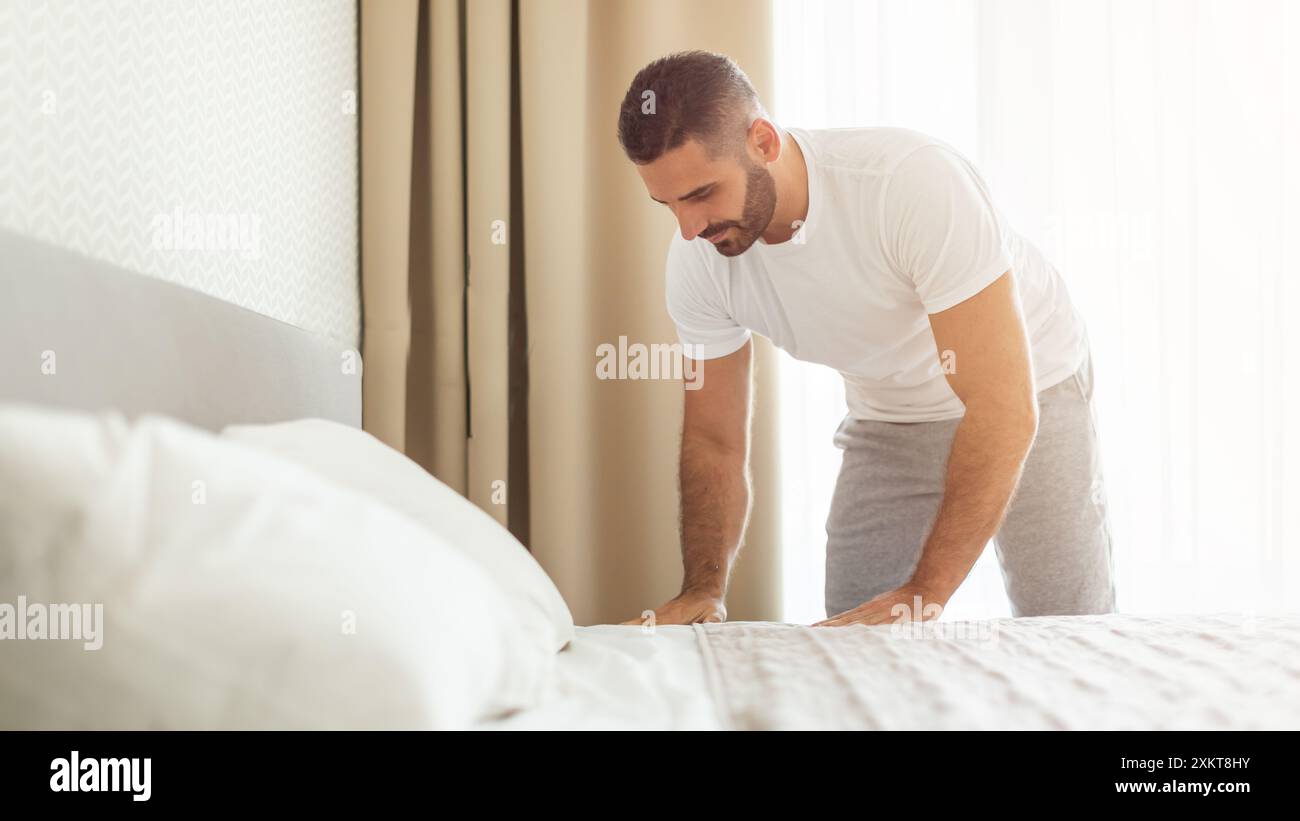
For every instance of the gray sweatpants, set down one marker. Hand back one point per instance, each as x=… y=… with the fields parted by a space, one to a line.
x=1054 y=545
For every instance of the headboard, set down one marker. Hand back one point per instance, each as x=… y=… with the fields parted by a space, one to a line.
x=80 y=333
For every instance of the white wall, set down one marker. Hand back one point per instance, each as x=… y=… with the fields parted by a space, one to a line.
x=115 y=113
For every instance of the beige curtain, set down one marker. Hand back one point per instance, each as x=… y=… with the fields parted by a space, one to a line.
x=504 y=238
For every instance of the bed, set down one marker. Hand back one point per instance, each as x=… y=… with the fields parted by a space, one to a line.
x=1109 y=672
x=263 y=563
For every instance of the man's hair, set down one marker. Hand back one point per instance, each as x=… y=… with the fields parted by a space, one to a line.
x=691 y=95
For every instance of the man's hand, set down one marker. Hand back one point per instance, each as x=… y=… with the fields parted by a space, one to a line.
x=910 y=602
x=690 y=607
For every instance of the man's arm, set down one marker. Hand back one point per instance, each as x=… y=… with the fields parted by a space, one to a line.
x=714 y=473
x=993 y=376
x=715 y=488
x=985 y=339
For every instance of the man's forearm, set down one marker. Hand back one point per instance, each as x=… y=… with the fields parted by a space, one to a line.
x=715 y=495
x=984 y=465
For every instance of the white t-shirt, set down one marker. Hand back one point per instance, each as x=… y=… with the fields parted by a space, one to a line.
x=899 y=226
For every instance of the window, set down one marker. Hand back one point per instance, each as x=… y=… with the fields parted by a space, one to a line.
x=1151 y=151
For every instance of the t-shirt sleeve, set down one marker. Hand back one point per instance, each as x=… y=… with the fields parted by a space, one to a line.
x=941 y=228
x=696 y=306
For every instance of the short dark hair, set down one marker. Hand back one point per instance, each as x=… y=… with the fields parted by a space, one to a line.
x=692 y=94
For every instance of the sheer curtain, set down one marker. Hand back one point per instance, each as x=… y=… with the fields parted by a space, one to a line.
x=1152 y=150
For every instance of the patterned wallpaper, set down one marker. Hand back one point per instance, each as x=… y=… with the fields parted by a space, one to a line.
x=212 y=143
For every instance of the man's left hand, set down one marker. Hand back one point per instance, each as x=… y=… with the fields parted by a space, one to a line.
x=907 y=603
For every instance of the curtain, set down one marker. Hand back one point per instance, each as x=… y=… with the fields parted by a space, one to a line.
x=1151 y=148
x=505 y=238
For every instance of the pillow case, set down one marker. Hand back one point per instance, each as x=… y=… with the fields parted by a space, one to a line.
x=357 y=460
x=236 y=590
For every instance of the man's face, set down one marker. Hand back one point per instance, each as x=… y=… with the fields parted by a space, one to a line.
x=728 y=200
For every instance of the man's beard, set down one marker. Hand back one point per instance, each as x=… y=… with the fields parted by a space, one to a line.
x=760 y=204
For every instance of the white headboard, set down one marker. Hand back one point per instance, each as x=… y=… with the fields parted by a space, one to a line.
x=80 y=333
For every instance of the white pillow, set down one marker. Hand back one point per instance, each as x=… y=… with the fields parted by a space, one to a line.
x=357 y=460
x=239 y=590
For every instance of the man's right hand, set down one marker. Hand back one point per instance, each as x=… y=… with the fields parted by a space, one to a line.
x=691 y=607
x=714 y=486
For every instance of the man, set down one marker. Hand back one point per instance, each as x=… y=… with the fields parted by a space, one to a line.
x=878 y=252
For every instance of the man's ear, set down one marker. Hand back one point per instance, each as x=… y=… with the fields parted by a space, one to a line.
x=764 y=140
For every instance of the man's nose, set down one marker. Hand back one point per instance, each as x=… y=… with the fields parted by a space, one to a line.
x=692 y=225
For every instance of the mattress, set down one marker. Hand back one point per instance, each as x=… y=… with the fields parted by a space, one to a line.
x=1114 y=671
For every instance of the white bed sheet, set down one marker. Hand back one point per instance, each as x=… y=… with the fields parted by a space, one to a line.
x=621 y=677
x=1116 y=671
